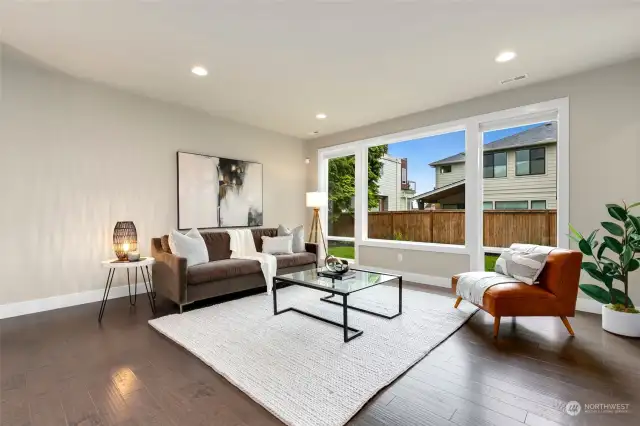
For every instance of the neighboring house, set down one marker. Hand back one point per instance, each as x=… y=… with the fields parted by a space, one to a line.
x=519 y=173
x=395 y=190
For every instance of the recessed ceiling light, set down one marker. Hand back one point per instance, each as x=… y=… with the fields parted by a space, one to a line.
x=199 y=71
x=321 y=116
x=505 y=56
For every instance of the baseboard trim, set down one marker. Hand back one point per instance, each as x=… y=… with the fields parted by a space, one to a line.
x=409 y=276
x=56 y=302
x=588 y=305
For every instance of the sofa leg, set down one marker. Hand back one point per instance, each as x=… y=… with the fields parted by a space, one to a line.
x=458 y=300
x=565 y=321
x=181 y=308
x=496 y=327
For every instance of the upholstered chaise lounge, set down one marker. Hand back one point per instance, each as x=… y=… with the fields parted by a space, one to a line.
x=555 y=295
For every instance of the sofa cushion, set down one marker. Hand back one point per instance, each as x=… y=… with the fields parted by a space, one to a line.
x=217 y=244
x=221 y=269
x=295 y=259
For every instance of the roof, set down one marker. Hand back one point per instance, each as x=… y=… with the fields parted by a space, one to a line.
x=539 y=135
x=443 y=191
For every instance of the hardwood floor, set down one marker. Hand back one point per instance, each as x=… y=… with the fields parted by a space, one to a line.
x=62 y=368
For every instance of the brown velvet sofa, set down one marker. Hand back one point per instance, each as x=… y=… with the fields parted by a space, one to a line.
x=554 y=296
x=221 y=275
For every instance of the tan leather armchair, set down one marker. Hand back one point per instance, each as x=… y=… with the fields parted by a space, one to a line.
x=555 y=295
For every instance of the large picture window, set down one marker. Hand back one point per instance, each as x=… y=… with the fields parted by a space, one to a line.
x=454 y=187
x=530 y=162
x=495 y=164
x=422 y=207
x=341 y=194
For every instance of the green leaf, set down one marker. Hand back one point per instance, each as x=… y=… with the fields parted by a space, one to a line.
x=633 y=205
x=574 y=238
x=635 y=221
x=617 y=212
x=589 y=265
x=633 y=265
x=596 y=292
x=596 y=275
x=627 y=255
x=619 y=297
x=606 y=259
x=592 y=236
x=601 y=251
x=614 y=245
x=575 y=232
x=585 y=247
x=613 y=228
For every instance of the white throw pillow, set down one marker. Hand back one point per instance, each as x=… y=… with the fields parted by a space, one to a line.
x=277 y=245
x=298 y=245
x=190 y=245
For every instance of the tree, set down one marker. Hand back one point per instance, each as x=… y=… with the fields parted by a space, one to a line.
x=342 y=181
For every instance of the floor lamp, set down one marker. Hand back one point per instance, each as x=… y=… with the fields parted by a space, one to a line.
x=316 y=200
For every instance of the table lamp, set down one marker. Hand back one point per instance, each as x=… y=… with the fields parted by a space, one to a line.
x=125 y=239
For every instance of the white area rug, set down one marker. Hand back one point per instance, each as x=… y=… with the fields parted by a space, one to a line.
x=299 y=368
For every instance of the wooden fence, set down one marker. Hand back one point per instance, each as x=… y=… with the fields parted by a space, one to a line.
x=501 y=227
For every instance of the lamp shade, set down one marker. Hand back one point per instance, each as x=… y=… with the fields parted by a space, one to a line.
x=316 y=199
x=125 y=239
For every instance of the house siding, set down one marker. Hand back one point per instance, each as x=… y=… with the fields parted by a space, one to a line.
x=512 y=187
x=456 y=175
x=525 y=188
x=389 y=183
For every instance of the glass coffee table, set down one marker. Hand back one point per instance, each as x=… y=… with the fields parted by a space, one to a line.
x=361 y=281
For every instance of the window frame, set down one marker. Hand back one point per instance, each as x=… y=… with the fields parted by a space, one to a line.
x=448 y=167
x=537 y=201
x=529 y=150
x=512 y=201
x=474 y=126
x=493 y=166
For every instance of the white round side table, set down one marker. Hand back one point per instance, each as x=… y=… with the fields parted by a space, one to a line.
x=115 y=264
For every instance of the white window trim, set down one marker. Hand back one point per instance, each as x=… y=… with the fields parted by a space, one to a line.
x=557 y=109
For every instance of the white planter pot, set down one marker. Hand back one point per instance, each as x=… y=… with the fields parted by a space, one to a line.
x=620 y=323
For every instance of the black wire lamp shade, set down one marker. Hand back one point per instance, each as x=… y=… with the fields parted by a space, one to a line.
x=125 y=239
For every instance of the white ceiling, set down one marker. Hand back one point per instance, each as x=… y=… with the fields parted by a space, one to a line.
x=275 y=64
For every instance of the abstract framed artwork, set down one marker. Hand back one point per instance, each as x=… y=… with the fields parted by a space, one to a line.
x=215 y=192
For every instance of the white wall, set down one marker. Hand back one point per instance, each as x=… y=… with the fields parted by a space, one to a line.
x=604 y=148
x=78 y=156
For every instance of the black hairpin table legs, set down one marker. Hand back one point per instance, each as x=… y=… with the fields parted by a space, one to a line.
x=146 y=278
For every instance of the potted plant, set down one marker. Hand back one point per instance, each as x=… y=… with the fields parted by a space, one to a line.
x=613 y=259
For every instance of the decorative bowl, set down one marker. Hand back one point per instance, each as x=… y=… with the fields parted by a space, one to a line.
x=336 y=265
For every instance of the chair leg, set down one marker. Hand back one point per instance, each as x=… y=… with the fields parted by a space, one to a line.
x=458 y=300
x=496 y=327
x=565 y=321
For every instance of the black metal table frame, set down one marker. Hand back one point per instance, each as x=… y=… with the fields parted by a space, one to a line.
x=151 y=294
x=345 y=306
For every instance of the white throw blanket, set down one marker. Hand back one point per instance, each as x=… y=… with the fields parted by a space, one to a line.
x=472 y=285
x=243 y=247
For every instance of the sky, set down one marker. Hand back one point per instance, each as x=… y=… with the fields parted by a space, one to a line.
x=420 y=152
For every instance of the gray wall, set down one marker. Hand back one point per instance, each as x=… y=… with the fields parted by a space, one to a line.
x=78 y=156
x=605 y=149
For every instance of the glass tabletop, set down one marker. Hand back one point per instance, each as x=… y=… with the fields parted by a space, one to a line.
x=361 y=280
